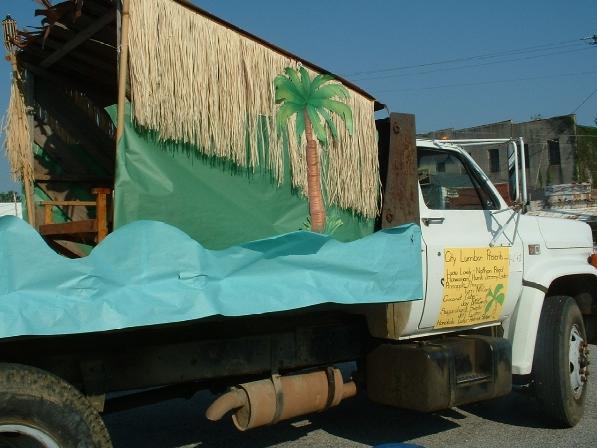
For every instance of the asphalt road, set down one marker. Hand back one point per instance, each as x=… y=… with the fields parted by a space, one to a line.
x=513 y=421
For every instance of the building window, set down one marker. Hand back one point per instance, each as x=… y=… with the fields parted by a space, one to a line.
x=494 y=160
x=553 y=147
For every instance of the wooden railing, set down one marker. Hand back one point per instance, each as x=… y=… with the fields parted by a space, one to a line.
x=78 y=230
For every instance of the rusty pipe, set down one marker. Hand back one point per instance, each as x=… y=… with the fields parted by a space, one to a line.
x=349 y=390
x=269 y=401
x=236 y=398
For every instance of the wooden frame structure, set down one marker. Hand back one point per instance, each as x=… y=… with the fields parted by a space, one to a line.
x=69 y=77
x=73 y=69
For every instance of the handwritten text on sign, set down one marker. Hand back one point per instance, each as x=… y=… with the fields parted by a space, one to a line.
x=475 y=285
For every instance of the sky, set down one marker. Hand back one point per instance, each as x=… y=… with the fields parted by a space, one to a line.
x=453 y=63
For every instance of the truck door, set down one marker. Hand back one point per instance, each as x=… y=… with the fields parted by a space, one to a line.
x=469 y=282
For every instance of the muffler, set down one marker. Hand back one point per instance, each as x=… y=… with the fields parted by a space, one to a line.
x=269 y=401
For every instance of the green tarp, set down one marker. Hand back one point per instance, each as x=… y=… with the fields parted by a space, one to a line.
x=217 y=204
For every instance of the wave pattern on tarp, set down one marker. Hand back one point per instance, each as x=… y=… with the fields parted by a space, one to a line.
x=150 y=273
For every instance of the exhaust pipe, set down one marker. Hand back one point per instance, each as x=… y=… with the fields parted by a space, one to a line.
x=267 y=402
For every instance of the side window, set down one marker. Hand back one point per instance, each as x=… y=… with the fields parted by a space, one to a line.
x=448 y=184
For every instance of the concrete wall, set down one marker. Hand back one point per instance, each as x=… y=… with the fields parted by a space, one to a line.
x=536 y=134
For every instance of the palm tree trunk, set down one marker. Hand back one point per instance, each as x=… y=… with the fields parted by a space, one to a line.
x=316 y=205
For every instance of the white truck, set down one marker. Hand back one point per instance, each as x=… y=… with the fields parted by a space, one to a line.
x=547 y=304
x=506 y=301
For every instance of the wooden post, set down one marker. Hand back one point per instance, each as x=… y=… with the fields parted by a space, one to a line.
x=101 y=211
x=122 y=68
x=400 y=179
x=401 y=193
x=27 y=183
x=48 y=217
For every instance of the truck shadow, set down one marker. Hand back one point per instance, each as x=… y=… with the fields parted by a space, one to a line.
x=180 y=423
x=517 y=409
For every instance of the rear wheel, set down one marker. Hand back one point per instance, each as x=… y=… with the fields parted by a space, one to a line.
x=560 y=362
x=591 y=328
x=40 y=410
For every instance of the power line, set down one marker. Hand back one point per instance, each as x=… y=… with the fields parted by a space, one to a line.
x=497 y=134
x=499 y=81
x=584 y=101
x=472 y=65
x=469 y=58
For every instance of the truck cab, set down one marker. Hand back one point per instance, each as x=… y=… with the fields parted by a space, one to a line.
x=461 y=208
x=489 y=269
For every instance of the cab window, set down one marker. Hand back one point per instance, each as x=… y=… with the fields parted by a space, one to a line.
x=448 y=183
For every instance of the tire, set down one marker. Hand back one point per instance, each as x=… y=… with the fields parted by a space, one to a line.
x=38 y=409
x=559 y=379
x=591 y=328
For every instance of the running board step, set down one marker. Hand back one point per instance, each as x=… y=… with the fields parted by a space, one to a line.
x=439 y=374
x=472 y=378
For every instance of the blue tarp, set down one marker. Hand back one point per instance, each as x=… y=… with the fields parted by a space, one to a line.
x=150 y=273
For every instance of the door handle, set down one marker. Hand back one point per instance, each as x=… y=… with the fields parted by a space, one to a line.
x=428 y=221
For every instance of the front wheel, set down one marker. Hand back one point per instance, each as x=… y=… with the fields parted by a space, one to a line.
x=40 y=410
x=560 y=362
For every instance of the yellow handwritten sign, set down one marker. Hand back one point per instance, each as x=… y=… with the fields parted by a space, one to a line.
x=475 y=285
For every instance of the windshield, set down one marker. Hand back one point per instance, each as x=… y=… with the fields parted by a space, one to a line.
x=448 y=182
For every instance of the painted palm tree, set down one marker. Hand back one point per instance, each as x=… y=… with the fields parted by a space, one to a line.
x=495 y=297
x=313 y=101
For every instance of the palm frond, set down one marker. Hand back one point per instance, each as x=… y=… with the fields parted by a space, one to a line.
x=332 y=224
x=343 y=110
x=330 y=122
x=318 y=128
x=286 y=111
x=294 y=78
x=305 y=80
x=488 y=305
x=300 y=127
x=330 y=91
x=286 y=91
x=319 y=80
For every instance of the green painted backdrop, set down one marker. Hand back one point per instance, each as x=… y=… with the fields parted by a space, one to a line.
x=217 y=204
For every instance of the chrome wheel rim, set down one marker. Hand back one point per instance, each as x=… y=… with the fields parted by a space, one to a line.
x=576 y=355
x=24 y=436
